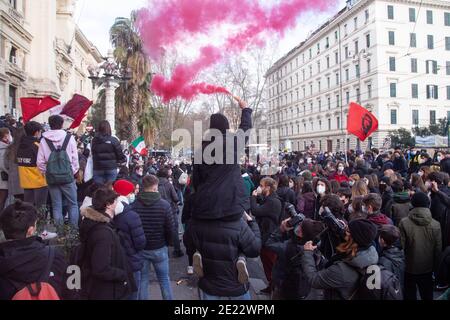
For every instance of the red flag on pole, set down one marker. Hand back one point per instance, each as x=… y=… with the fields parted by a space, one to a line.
x=76 y=109
x=32 y=107
x=360 y=122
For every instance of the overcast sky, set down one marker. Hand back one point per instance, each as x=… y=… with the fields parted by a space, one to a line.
x=95 y=17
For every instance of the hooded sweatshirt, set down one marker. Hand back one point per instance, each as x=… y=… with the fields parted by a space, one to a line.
x=29 y=175
x=57 y=137
x=421 y=241
x=400 y=207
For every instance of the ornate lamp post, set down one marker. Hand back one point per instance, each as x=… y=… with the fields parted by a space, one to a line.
x=109 y=74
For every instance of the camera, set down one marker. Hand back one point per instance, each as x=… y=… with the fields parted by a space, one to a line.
x=333 y=224
x=296 y=218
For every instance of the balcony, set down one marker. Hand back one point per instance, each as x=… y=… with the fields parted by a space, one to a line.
x=14 y=70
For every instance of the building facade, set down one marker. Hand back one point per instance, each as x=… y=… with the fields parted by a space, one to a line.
x=42 y=52
x=391 y=56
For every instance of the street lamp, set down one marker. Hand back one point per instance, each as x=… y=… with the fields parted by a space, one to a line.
x=110 y=75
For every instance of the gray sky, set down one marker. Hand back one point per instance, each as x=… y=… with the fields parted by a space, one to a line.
x=95 y=17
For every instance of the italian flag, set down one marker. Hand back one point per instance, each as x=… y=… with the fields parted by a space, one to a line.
x=139 y=146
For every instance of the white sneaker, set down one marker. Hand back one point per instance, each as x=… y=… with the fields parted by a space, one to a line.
x=190 y=270
x=198 y=264
x=46 y=235
x=243 y=275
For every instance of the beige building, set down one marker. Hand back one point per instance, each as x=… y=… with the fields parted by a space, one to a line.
x=42 y=52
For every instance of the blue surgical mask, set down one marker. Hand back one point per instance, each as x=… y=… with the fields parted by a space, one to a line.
x=131 y=198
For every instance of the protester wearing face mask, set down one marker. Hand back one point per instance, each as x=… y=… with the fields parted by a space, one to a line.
x=138 y=175
x=285 y=193
x=440 y=202
x=371 y=207
x=339 y=175
x=322 y=187
x=129 y=223
x=5 y=137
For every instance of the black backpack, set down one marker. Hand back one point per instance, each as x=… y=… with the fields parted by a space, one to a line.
x=388 y=288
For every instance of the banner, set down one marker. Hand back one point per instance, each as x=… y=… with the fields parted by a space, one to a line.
x=360 y=122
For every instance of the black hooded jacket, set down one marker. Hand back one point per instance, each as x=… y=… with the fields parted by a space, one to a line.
x=22 y=262
x=220 y=188
x=106 y=152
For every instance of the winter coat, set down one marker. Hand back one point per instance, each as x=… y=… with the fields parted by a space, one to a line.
x=14 y=188
x=168 y=193
x=267 y=213
x=341 y=280
x=387 y=200
x=57 y=137
x=29 y=175
x=445 y=165
x=421 y=241
x=400 y=166
x=393 y=259
x=220 y=189
x=338 y=177
x=400 y=207
x=286 y=194
x=157 y=219
x=137 y=179
x=249 y=185
x=306 y=204
x=362 y=171
x=23 y=262
x=440 y=211
x=107 y=152
x=3 y=164
x=107 y=274
x=221 y=243
x=132 y=235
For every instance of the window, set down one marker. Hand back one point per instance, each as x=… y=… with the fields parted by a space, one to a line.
x=432 y=117
x=303 y=74
x=328 y=82
x=338 y=122
x=311 y=106
x=310 y=53
x=447 y=19
x=329 y=124
x=358 y=95
x=393 y=89
x=413 y=65
x=412 y=15
x=447 y=43
x=432 y=92
x=347 y=76
x=368 y=40
x=310 y=71
x=337 y=79
x=447 y=68
x=415 y=91
x=337 y=101
x=412 y=40
x=318 y=48
x=390 y=12
x=320 y=124
x=12 y=99
x=448 y=92
x=320 y=105
x=369 y=91
x=327 y=42
x=393 y=116
x=345 y=30
x=318 y=66
x=368 y=66
x=329 y=103
x=336 y=35
x=13 y=55
x=430 y=41
x=431 y=66
x=346 y=52
x=319 y=85
x=336 y=57
x=391 y=63
x=356 y=47
x=13 y=3
x=311 y=89
x=338 y=144
x=355 y=22
x=415 y=117
x=391 y=38
x=347 y=97
x=328 y=62
x=429 y=17
x=357 y=71
x=366 y=13
x=296 y=77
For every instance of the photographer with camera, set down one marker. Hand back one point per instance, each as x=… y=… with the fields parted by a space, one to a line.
x=287 y=242
x=266 y=207
x=341 y=279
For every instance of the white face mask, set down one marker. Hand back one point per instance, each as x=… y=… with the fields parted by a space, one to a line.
x=439 y=158
x=119 y=208
x=340 y=168
x=259 y=190
x=131 y=198
x=351 y=183
x=321 y=189
x=420 y=173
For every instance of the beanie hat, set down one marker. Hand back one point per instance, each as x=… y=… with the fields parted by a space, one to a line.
x=220 y=122
x=420 y=200
x=363 y=232
x=123 y=187
x=311 y=229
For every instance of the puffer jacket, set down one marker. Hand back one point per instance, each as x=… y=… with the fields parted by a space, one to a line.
x=341 y=280
x=400 y=207
x=422 y=241
x=286 y=194
x=393 y=259
x=267 y=214
x=221 y=243
x=107 y=152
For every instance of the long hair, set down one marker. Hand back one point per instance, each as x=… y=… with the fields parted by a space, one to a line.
x=349 y=248
x=417 y=182
x=359 y=189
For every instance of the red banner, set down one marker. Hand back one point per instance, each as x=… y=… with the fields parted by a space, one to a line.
x=360 y=122
x=32 y=107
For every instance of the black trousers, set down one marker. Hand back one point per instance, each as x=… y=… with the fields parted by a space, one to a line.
x=423 y=281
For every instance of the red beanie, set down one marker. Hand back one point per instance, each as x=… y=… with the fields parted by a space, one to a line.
x=123 y=187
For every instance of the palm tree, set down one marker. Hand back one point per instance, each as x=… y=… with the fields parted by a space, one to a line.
x=133 y=97
x=150 y=120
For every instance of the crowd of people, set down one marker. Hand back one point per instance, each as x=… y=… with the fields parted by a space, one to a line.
x=321 y=223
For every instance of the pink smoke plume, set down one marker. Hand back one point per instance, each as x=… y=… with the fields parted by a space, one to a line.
x=166 y=22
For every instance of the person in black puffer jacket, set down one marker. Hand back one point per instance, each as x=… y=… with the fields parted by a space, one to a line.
x=157 y=221
x=285 y=194
x=268 y=214
x=130 y=229
x=107 y=154
x=105 y=266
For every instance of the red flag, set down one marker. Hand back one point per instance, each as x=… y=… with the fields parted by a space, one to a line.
x=360 y=122
x=31 y=107
x=77 y=109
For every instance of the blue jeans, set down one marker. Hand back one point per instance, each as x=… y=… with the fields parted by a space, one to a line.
x=204 y=296
x=69 y=193
x=105 y=176
x=160 y=260
x=137 y=278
